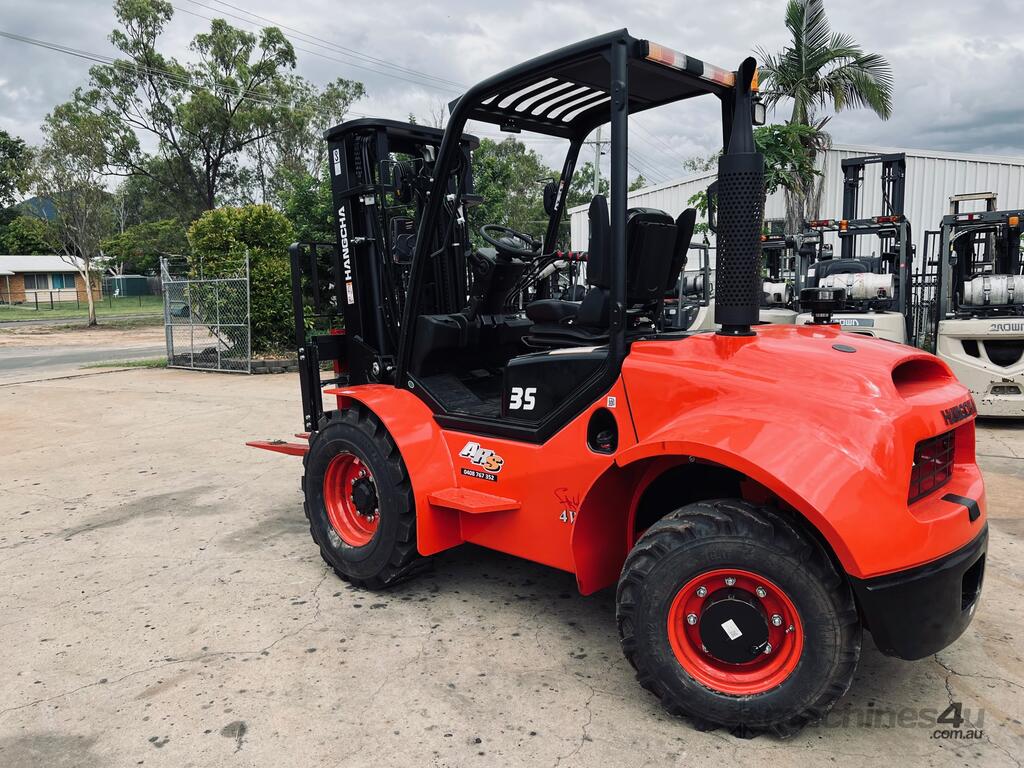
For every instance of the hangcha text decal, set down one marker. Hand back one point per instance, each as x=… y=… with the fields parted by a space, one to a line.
x=485 y=458
x=346 y=257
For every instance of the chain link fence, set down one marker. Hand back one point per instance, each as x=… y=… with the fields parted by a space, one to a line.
x=206 y=319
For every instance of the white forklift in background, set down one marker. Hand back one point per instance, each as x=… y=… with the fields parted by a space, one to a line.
x=690 y=306
x=875 y=258
x=980 y=301
x=781 y=279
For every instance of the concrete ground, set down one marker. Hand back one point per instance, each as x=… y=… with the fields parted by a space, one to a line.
x=164 y=606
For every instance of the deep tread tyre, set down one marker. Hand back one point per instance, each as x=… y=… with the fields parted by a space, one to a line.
x=390 y=555
x=712 y=535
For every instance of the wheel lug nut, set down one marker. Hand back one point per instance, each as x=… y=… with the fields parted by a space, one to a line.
x=761 y=592
x=702 y=591
x=767 y=648
x=730 y=581
x=691 y=619
x=776 y=620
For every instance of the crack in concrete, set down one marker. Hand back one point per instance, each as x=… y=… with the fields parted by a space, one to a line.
x=950 y=672
x=976 y=676
x=584 y=736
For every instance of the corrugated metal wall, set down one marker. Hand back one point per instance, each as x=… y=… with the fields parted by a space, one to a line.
x=931 y=178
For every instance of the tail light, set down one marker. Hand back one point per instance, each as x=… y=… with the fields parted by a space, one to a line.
x=933 y=466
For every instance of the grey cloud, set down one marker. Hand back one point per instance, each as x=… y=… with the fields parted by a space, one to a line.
x=953 y=61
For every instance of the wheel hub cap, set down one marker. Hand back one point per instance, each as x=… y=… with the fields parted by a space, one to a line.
x=735 y=631
x=733 y=627
x=350 y=500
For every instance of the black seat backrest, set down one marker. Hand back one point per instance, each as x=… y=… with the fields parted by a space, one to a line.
x=650 y=248
x=685 y=224
x=599 y=262
x=650 y=244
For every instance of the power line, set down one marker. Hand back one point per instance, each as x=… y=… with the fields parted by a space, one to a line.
x=330 y=45
x=654 y=137
x=323 y=55
x=637 y=161
x=179 y=79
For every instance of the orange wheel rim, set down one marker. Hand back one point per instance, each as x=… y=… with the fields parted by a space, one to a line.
x=690 y=623
x=346 y=480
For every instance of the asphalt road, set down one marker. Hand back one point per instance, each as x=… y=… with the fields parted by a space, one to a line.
x=24 y=358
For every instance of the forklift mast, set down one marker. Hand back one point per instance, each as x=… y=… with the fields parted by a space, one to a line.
x=348 y=296
x=894 y=177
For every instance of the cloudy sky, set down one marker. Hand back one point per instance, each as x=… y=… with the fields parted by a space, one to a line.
x=955 y=62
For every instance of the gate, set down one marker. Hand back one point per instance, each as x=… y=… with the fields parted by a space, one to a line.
x=206 y=319
x=924 y=297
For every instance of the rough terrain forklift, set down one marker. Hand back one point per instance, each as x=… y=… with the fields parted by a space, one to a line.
x=876 y=254
x=980 y=301
x=756 y=495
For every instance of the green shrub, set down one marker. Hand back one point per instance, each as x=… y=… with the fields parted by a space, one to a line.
x=220 y=240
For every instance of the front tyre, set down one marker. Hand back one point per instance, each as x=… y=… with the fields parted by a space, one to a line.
x=734 y=618
x=359 y=500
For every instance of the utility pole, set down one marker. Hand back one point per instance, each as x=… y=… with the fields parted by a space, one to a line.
x=597 y=142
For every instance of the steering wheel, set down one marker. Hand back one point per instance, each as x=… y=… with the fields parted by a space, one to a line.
x=505 y=239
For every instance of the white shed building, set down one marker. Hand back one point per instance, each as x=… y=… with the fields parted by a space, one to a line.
x=931 y=178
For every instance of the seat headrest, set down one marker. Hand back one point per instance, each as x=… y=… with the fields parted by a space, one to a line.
x=653 y=215
x=685 y=224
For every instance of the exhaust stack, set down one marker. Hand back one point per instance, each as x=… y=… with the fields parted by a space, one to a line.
x=740 y=215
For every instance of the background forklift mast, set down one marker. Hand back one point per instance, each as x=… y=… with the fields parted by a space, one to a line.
x=878 y=281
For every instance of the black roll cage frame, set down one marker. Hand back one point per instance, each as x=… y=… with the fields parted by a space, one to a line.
x=534 y=96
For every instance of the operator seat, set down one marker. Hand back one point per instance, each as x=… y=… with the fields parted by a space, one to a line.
x=651 y=253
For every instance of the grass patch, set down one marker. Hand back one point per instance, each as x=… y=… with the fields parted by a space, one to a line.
x=151 y=362
x=125 y=305
x=121 y=324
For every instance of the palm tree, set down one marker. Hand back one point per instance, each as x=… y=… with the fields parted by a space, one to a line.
x=818 y=70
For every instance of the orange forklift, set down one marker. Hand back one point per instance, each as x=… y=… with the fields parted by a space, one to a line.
x=756 y=495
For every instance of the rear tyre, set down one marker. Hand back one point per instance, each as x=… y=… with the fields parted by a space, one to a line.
x=359 y=500
x=734 y=618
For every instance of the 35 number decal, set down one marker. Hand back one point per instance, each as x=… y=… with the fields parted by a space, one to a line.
x=524 y=399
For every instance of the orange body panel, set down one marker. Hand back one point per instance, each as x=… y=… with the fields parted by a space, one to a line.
x=829 y=432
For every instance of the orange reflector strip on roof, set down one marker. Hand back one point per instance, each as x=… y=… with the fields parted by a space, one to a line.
x=719 y=75
x=662 y=54
x=666 y=56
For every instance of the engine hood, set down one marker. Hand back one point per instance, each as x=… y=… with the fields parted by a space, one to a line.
x=827 y=375
x=827 y=420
